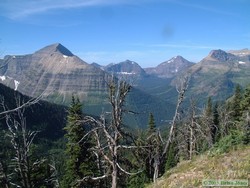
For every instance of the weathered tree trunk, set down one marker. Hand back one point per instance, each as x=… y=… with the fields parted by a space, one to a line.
x=191 y=140
x=156 y=168
x=114 y=175
x=108 y=136
x=192 y=129
x=181 y=92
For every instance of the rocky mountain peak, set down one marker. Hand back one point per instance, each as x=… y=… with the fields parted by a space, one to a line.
x=55 y=72
x=220 y=55
x=125 y=67
x=55 y=48
x=170 y=68
x=176 y=59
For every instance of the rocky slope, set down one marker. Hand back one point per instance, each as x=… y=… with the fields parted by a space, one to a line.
x=55 y=72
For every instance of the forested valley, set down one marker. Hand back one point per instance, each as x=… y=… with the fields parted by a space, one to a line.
x=47 y=145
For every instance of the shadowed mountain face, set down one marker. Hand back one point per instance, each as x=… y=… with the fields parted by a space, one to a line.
x=55 y=72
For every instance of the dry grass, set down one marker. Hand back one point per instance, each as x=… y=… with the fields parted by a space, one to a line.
x=232 y=165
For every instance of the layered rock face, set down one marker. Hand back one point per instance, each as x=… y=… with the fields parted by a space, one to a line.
x=55 y=72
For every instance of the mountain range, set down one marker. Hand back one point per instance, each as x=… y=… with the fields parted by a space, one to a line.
x=57 y=73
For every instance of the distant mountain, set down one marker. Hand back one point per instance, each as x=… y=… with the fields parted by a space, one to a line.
x=220 y=56
x=57 y=73
x=217 y=74
x=243 y=52
x=98 y=66
x=170 y=68
x=125 y=68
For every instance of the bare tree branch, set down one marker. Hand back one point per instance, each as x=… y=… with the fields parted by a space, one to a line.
x=93 y=178
x=24 y=105
x=181 y=92
x=126 y=172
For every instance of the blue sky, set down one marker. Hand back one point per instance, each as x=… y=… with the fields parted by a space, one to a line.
x=109 y=31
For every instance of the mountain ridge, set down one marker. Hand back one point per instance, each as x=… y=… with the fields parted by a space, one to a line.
x=58 y=73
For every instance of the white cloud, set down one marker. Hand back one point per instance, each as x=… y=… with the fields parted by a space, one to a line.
x=180 y=46
x=204 y=8
x=21 y=9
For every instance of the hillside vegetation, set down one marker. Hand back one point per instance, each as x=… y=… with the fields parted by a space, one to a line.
x=231 y=165
x=100 y=151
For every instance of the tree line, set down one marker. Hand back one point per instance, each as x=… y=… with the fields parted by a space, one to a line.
x=103 y=152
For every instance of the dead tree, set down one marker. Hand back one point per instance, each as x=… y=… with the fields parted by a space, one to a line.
x=21 y=140
x=160 y=158
x=108 y=132
x=181 y=92
x=190 y=133
x=160 y=162
x=192 y=137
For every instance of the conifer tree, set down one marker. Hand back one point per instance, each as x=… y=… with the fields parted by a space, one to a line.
x=172 y=159
x=245 y=102
x=152 y=143
x=151 y=127
x=236 y=104
x=80 y=162
x=208 y=122
x=245 y=106
x=246 y=128
x=216 y=122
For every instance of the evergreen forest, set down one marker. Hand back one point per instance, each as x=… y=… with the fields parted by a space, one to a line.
x=48 y=145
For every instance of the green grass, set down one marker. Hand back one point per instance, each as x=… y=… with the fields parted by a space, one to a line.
x=235 y=164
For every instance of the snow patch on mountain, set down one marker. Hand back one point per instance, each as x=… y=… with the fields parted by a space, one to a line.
x=2 y=78
x=242 y=62
x=125 y=73
x=16 y=84
x=172 y=60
